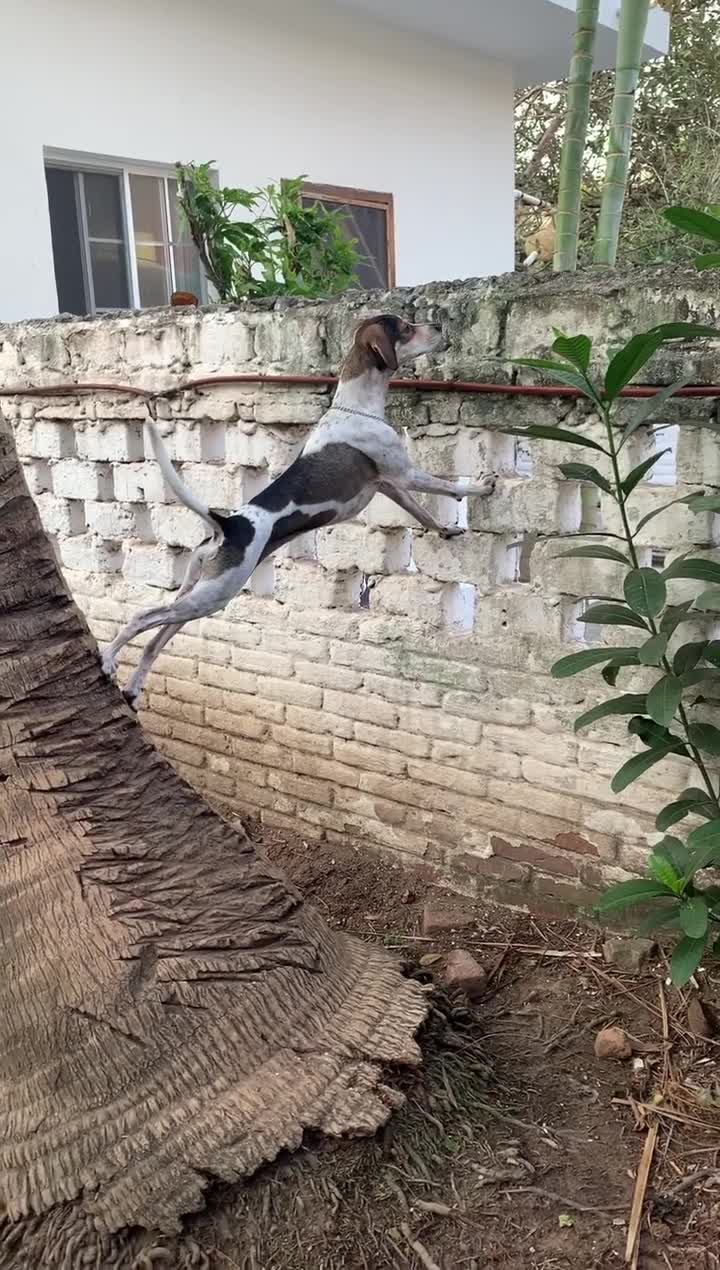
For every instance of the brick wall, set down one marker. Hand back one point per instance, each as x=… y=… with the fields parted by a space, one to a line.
x=375 y=683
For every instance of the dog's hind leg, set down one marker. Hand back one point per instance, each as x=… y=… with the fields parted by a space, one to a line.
x=166 y=633
x=420 y=513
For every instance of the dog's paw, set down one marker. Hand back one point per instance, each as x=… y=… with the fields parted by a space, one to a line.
x=488 y=483
x=109 y=665
x=453 y=531
x=132 y=699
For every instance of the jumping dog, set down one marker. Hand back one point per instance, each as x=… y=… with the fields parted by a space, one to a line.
x=351 y=455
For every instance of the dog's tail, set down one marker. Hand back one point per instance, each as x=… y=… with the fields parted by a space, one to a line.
x=180 y=490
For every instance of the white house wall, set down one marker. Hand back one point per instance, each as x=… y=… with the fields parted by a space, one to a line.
x=266 y=89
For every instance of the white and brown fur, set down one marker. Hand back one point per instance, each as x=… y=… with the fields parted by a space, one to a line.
x=351 y=455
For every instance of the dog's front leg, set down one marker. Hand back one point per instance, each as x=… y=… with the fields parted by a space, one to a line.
x=425 y=483
x=409 y=504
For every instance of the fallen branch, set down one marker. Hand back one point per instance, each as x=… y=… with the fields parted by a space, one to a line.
x=632 y=1246
x=565 y=1201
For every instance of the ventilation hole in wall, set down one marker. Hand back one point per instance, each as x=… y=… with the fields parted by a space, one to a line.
x=76 y=515
x=527 y=546
x=143 y=528
x=461 y=506
x=262 y=580
x=212 y=442
x=253 y=480
x=304 y=547
x=569 y=507
x=591 y=520
x=577 y=632
x=367 y=584
x=458 y=606
x=505 y=560
x=412 y=567
x=658 y=556
x=665 y=470
x=523 y=463
x=501 y=452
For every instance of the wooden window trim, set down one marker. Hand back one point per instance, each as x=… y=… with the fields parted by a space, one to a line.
x=361 y=198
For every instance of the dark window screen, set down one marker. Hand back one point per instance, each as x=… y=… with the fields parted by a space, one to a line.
x=369 y=226
x=67 y=254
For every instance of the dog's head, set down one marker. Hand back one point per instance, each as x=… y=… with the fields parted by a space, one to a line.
x=381 y=343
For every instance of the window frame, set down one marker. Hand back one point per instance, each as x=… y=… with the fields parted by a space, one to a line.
x=361 y=198
x=78 y=162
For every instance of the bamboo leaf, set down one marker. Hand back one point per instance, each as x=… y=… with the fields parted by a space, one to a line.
x=652 y=651
x=685 y=959
x=628 y=703
x=597 y=552
x=612 y=615
x=711 y=260
x=663 y=700
x=634 y=478
x=637 y=766
x=584 y=472
x=577 y=662
x=659 y=510
x=692 y=221
x=703 y=502
x=645 y=591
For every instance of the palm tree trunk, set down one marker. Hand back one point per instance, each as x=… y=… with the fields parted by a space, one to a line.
x=170 y=1010
x=567 y=219
x=631 y=34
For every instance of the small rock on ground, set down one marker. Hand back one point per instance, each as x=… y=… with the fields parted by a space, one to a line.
x=437 y=920
x=462 y=971
x=630 y=956
x=612 y=1042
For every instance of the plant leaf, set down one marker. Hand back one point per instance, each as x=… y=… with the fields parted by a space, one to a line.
x=703 y=502
x=651 y=515
x=712 y=652
x=705 y=737
x=709 y=260
x=594 y=553
x=612 y=615
x=682 y=807
x=645 y=591
x=674 y=615
x=675 y=851
x=653 y=734
x=637 y=766
x=561 y=373
x=574 y=349
x=584 y=472
x=687 y=656
x=685 y=959
x=626 y=364
x=663 y=700
x=699 y=569
x=635 y=892
x=634 y=478
x=704 y=844
x=542 y=432
x=578 y=662
x=628 y=703
x=692 y=221
x=650 y=405
x=708 y=601
x=694 y=917
x=652 y=651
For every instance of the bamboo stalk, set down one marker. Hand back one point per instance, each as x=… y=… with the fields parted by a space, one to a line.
x=567 y=219
x=631 y=34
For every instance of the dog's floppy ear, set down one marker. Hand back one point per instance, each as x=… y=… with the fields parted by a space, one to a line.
x=381 y=347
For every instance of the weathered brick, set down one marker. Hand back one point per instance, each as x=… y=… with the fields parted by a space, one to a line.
x=307 y=742
x=319 y=721
x=366 y=708
x=301 y=787
x=403 y=742
x=61 y=516
x=436 y=723
x=369 y=757
x=225 y=677
x=158 y=566
x=291 y=692
x=530 y=853
x=72 y=478
x=326 y=769
x=236 y=724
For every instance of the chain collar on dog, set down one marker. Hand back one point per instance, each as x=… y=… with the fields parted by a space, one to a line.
x=350 y=410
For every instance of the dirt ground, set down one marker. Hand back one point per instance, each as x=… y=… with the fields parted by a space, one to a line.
x=517 y=1147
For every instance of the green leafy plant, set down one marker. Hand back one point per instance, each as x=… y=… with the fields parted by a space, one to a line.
x=666 y=717
x=278 y=246
x=701 y=224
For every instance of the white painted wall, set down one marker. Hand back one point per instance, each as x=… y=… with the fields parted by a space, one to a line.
x=267 y=88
